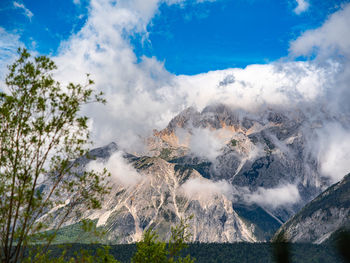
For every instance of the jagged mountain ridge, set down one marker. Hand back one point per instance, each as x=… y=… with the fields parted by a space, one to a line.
x=158 y=200
x=322 y=217
x=264 y=149
x=260 y=150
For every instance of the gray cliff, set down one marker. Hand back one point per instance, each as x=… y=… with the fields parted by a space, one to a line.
x=257 y=151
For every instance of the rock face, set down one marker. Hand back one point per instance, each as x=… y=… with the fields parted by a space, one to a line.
x=260 y=150
x=223 y=166
x=159 y=199
x=322 y=217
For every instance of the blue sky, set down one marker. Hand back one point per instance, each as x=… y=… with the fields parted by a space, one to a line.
x=154 y=58
x=224 y=34
x=189 y=38
x=42 y=25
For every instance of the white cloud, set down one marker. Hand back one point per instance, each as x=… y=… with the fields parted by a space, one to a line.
x=201 y=188
x=331 y=41
x=207 y=143
x=121 y=171
x=9 y=44
x=143 y=95
x=333 y=151
x=140 y=97
x=302 y=6
x=273 y=84
x=134 y=90
x=204 y=189
x=332 y=37
x=76 y=2
x=284 y=195
x=27 y=12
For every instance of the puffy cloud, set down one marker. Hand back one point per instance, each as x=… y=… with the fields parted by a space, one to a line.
x=302 y=6
x=333 y=151
x=137 y=99
x=207 y=143
x=284 y=195
x=121 y=171
x=332 y=37
x=200 y=188
x=274 y=84
x=331 y=41
x=26 y=11
x=142 y=95
x=272 y=198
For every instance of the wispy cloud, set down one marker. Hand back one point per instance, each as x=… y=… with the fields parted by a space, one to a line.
x=302 y=6
x=143 y=95
x=284 y=195
x=9 y=44
x=201 y=188
x=206 y=143
x=26 y=11
x=121 y=171
x=333 y=151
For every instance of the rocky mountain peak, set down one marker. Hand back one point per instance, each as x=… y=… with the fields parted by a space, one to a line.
x=240 y=174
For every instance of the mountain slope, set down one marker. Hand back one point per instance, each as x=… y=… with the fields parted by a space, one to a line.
x=241 y=175
x=324 y=215
x=265 y=149
x=164 y=193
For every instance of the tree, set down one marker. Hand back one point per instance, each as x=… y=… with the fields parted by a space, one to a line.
x=281 y=248
x=102 y=255
x=179 y=239
x=151 y=250
x=41 y=134
x=342 y=243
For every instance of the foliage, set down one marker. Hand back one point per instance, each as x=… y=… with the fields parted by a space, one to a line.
x=281 y=249
x=239 y=252
x=179 y=239
x=84 y=232
x=41 y=133
x=234 y=142
x=165 y=153
x=151 y=250
x=102 y=255
x=342 y=243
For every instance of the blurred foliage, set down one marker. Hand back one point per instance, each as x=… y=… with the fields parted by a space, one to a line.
x=42 y=132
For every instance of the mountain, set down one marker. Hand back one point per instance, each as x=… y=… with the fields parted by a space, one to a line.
x=241 y=175
x=320 y=219
x=158 y=199
x=264 y=149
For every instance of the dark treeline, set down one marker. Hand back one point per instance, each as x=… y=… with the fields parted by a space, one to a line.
x=222 y=253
